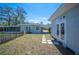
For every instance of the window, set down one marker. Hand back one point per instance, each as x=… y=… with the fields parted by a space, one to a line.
x=63 y=16
x=62 y=30
x=4 y=28
x=1 y=28
x=37 y=28
x=26 y=28
x=17 y=28
x=57 y=29
x=29 y=27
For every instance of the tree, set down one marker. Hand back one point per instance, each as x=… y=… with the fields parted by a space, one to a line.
x=6 y=14
x=20 y=15
x=12 y=16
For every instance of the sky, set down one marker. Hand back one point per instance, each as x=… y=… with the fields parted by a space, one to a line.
x=36 y=12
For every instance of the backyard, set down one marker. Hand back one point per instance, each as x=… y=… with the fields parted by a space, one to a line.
x=4 y=37
x=28 y=44
x=31 y=44
x=22 y=35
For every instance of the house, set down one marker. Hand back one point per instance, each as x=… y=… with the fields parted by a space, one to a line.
x=25 y=28
x=65 y=25
x=31 y=28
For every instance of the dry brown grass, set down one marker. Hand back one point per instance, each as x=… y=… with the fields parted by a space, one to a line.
x=29 y=44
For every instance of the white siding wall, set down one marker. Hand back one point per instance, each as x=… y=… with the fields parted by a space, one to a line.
x=34 y=30
x=23 y=28
x=31 y=29
x=72 y=29
x=53 y=29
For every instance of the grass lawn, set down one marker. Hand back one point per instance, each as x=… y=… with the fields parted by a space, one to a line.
x=28 y=44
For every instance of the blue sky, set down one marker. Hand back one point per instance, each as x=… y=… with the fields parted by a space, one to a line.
x=36 y=12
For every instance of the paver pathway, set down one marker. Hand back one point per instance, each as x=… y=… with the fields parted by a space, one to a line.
x=44 y=40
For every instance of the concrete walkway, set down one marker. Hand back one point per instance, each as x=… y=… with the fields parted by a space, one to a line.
x=44 y=40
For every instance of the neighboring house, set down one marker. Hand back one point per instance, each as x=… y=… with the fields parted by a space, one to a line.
x=25 y=28
x=65 y=25
x=31 y=28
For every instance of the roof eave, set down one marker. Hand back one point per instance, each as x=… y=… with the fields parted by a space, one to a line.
x=62 y=9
